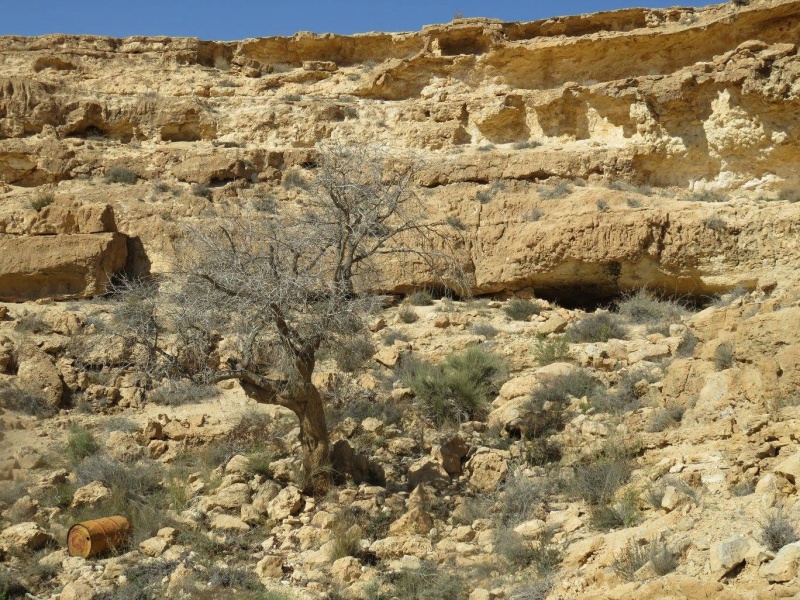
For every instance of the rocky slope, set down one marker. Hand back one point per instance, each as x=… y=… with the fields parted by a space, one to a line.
x=646 y=452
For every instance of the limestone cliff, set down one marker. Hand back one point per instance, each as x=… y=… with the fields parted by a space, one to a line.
x=680 y=99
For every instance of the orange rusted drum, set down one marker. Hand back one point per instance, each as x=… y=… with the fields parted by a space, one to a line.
x=93 y=537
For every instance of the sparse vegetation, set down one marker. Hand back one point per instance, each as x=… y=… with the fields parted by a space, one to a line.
x=707 y=196
x=486 y=330
x=789 y=195
x=519 y=309
x=526 y=145
x=627 y=395
x=201 y=191
x=533 y=215
x=633 y=203
x=554 y=192
x=21 y=400
x=777 y=530
x=666 y=418
x=120 y=175
x=645 y=308
x=602 y=206
x=715 y=223
x=178 y=393
x=394 y=336
x=634 y=556
x=455 y=223
x=551 y=349
x=80 y=444
x=597 y=327
x=351 y=354
x=420 y=298
x=617 y=514
x=457 y=389
x=42 y=201
x=723 y=356
x=596 y=480
x=743 y=488
x=407 y=314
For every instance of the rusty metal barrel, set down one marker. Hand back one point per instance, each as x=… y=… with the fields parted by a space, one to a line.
x=93 y=537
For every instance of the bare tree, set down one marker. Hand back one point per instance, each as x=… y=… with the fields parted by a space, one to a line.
x=254 y=297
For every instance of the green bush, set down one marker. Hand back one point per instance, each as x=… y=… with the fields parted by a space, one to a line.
x=459 y=388
x=645 y=308
x=519 y=309
x=420 y=298
x=80 y=444
x=42 y=201
x=597 y=327
x=120 y=175
x=550 y=350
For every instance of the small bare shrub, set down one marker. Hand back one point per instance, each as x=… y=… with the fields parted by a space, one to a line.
x=554 y=192
x=634 y=556
x=597 y=327
x=533 y=215
x=42 y=201
x=394 y=336
x=420 y=298
x=345 y=536
x=645 y=308
x=407 y=314
x=777 y=530
x=455 y=223
x=201 y=191
x=519 y=309
x=350 y=355
x=723 y=356
x=178 y=393
x=633 y=203
x=627 y=395
x=598 y=479
x=789 y=195
x=665 y=418
x=526 y=145
x=291 y=97
x=120 y=175
x=602 y=206
x=21 y=400
x=617 y=514
x=743 y=488
x=708 y=196
x=486 y=330
x=715 y=223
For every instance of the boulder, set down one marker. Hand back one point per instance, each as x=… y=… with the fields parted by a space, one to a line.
x=23 y=536
x=487 y=468
x=270 y=567
x=39 y=375
x=90 y=495
x=783 y=567
x=287 y=503
x=346 y=569
x=59 y=266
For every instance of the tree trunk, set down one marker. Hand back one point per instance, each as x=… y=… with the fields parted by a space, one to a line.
x=306 y=403
x=315 y=442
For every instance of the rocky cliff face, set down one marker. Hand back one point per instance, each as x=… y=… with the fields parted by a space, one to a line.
x=646 y=451
x=682 y=100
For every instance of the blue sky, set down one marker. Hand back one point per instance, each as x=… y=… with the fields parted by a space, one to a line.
x=237 y=19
